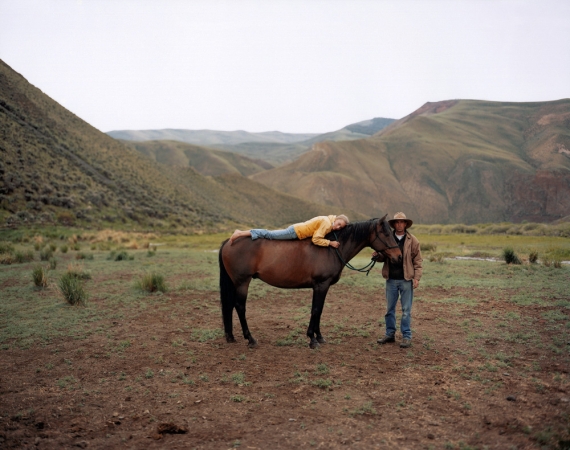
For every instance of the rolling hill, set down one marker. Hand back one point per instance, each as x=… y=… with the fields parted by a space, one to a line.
x=454 y=161
x=56 y=168
x=205 y=160
x=272 y=147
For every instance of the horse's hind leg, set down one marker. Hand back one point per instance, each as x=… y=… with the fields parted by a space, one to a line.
x=240 y=309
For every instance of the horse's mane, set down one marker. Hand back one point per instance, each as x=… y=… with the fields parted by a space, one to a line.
x=356 y=231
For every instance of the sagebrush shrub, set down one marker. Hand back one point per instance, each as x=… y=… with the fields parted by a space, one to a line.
x=510 y=256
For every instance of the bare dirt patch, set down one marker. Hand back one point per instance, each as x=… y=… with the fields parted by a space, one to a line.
x=163 y=377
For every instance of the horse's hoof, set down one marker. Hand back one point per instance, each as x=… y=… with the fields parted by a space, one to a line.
x=321 y=340
x=252 y=344
x=314 y=345
x=230 y=340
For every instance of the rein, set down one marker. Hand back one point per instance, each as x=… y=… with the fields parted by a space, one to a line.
x=367 y=268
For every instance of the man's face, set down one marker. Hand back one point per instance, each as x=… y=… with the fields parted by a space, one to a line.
x=338 y=224
x=400 y=226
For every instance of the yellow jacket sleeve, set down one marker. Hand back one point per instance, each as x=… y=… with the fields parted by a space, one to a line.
x=316 y=228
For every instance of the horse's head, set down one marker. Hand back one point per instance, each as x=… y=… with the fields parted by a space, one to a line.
x=382 y=240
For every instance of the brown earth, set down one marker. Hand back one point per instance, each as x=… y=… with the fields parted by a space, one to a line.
x=145 y=381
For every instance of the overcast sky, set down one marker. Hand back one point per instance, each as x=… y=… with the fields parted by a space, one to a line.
x=294 y=66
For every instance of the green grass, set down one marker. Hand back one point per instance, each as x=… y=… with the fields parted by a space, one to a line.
x=151 y=282
x=190 y=267
x=72 y=289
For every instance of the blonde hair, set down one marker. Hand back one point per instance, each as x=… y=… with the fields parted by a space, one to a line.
x=343 y=217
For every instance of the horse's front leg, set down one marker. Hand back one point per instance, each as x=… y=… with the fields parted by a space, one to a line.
x=314 y=330
x=241 y=298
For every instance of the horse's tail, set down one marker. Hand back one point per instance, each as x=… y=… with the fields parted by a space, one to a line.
x=227 y=296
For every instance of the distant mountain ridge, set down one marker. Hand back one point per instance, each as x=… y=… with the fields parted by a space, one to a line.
x=273 y=147
x=210 y=138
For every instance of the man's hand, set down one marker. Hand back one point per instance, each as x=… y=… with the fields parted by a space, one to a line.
x=334 y=244
x=416 y=283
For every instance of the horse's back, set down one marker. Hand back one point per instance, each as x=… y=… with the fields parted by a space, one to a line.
x=286 y=264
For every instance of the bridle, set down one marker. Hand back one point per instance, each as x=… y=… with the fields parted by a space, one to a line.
x=368 y=267
x=388 y=247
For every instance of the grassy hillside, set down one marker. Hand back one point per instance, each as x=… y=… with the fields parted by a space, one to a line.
x=205 y=160
x=457 y=161
x=56 y=168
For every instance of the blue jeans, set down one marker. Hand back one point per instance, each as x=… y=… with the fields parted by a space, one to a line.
x=282 y=235
x=403 y=289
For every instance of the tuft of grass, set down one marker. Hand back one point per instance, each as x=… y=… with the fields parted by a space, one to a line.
x=151 y=282
x=77 y=271
x=63 y=249
x=120 y=256
x=81 y=255
x=533 y=257
x=428 y=247
x=23 y=257
x=46 y=254
x=510 y=256
x=39 y=276
x=72 y=289
x=6 y=247
x=52 y=263
x=437 y=257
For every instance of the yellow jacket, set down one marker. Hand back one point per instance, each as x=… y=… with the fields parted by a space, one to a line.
x=317 y=227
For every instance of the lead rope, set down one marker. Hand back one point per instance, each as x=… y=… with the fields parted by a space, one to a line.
x=350 y=266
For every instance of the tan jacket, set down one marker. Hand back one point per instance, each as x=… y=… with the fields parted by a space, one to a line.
x=412 y=259
x=317 y=227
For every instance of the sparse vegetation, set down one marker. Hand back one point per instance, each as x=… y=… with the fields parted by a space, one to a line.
x=72 y=289
x=120 y=256
x=39 y=276
x=151 y=282
x=510 y=256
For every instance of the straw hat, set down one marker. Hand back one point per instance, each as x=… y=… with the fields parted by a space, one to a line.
x=401 y=216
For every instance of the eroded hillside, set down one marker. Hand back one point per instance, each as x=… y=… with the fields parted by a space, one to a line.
x=456 y=161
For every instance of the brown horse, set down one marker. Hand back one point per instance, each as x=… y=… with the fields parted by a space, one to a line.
x=294 y=264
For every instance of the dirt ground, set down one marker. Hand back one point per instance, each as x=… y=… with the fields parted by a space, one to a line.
x=150 y=380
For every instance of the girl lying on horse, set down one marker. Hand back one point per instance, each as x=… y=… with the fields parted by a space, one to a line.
x=316 y=228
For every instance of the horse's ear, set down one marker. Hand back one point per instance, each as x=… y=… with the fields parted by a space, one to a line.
x=384 y=218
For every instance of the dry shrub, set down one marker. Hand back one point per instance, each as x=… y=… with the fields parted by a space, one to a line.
x=437 y=257
x=133 y=245
x=6 y=258
x=533 y=257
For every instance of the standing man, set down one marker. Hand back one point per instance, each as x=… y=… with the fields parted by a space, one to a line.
x=401 y=280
